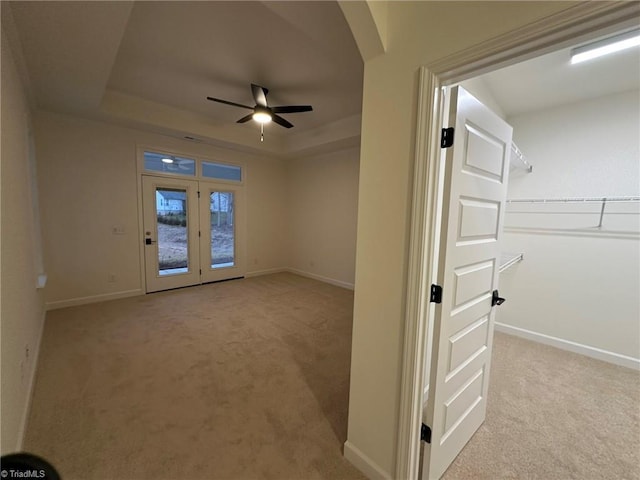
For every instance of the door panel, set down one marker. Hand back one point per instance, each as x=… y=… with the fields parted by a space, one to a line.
x=221 y=226
x=476 y=171
x=478 y=220
x=170 y=215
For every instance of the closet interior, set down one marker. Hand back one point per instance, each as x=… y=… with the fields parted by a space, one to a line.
x=571 y=236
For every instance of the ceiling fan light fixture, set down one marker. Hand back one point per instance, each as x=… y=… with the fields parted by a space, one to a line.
x=167 y=160
x=606 y=46
x=262 y=117
x=262 y=113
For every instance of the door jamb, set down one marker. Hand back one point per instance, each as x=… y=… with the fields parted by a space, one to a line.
x=578 y=23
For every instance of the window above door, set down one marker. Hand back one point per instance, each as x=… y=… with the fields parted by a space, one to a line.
x=178 y=165
x=169 y=164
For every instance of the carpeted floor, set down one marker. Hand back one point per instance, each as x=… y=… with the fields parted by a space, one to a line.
x=554 y=415
x=249 y=379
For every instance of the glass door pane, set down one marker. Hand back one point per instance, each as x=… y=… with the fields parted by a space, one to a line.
x=221 y=207
x=173 y=233
x=170 y=209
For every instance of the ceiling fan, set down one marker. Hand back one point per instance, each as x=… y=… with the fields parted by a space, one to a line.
x=262 y=112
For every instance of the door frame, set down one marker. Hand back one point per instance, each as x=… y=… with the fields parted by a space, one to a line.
x=199 y=232
x=195 y=153
x=582 y=22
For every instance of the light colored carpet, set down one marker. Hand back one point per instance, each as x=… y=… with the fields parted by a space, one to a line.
x=247 y=379
x=554 y=415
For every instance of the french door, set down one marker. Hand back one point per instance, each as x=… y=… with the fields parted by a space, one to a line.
x=222 y=231
x=192 y=232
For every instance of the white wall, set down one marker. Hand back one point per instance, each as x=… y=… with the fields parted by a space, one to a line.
x=478 y=88
x=418 y=33
x=22 y=306
x=88 y=185
x=322 y=214
x=578 y=288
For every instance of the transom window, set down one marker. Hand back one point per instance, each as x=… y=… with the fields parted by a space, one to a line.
x=170 y=164
x=221 y=171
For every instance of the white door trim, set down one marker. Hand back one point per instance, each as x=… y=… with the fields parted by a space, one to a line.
x=577 y=23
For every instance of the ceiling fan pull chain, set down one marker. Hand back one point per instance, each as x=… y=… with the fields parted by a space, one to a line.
x=262 y=132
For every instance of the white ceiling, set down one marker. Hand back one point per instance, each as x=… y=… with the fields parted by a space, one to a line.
x=550 y=80
x=144 y=63
x=178 y=53
x=152 y=65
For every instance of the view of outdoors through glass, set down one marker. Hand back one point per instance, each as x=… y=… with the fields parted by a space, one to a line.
x=222 y=229
x=171 y=209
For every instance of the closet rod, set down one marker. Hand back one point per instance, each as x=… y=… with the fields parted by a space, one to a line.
x=520 y=156
x=509 y=259
x=574 y=200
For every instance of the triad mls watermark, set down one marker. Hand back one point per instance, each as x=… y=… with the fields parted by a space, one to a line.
x=23 y=473
x=26 y=465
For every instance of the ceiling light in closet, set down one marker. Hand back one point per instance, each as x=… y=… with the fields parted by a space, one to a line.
x=605 y=46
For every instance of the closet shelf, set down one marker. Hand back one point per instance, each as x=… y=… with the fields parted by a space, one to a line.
x=574 y=200
x=603 y=201
x=518 y=155
x=509 y=259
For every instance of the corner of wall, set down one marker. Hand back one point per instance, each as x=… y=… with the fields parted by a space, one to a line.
x=364 y=463
x=22 y=308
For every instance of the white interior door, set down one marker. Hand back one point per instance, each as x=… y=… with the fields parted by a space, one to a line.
x=171 y=225
x=476 y=170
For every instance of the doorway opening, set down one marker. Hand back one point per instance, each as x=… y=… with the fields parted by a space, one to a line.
x=424 y=246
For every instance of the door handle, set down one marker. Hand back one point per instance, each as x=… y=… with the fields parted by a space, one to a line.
x=148 y=241
x=496 y=299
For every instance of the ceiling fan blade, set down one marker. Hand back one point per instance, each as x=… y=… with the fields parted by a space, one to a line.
x=228 y=103
x=292 y=109
x=259 y=94
x=281 y=121
x=245 y=119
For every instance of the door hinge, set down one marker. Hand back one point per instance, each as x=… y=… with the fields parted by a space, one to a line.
x=198 y=194
x=436 y=294
x=199 y=233
x=425 y=433
x=446 y=139
x=200 y=271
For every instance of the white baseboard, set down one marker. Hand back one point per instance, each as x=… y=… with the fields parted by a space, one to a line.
x=364 y=463
x=30 y=385
x=337 y=283
x=570 y=346
x=268 y=271
x=72 y=302
x=103 y=297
